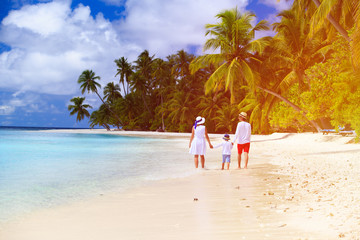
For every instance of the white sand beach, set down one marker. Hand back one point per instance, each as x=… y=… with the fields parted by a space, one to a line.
x=298 y=186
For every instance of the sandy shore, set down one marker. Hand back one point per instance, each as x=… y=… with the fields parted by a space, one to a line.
x=298 y=186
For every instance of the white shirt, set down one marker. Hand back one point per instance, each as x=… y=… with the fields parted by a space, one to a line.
x=243 y=133
x=227 y=146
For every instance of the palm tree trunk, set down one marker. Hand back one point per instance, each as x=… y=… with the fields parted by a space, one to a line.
x=337 y=26
x=124 y=89
x=107 y=106
x=145 y=103
x=128 y=88
x=162 y=114
x=295 y=107
x=127 y=85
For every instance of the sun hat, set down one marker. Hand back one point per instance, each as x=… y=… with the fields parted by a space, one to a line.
x=199 y=120
x=243 y=115
x=226 y=137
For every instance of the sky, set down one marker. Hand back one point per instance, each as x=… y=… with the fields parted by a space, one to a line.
x=46 y=44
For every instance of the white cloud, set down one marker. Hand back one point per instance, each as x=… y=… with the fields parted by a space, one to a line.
x=114 y=2
x=6 y=110
x=279 y=5
x=164 y=27
x=48 y=58
x=51 y=44
x=39 y=19
x=271 y=18
x=26 y=102
x=91 y=98
x=54 y=109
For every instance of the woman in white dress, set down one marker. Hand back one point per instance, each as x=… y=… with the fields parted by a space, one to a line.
x=197 y=143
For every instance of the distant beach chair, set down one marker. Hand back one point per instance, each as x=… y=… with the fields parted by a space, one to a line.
x=345 y=133
x=327 y=131
x=341 y=131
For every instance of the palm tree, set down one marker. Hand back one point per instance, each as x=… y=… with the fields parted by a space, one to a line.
x=182 y=112
x=88 y=83
x=138 y=84
x=112 y=92
x=293 y=46
x=129 y=109
x=141 y=80
x=226 y=118
x=100 y=117
x=323 y=11
x=144 y=64
x=294 y=51
x=163 y=82
x=182 y=61
x=185 y=80
x=347 y=14
x=209 y=108
x=259 y=104
x=234 y=37
x=124 y=70
x=355 y=46
x=79 y=108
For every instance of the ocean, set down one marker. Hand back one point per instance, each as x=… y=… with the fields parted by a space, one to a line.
x=40 y=169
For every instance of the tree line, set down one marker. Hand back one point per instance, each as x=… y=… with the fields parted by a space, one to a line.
x=305 y=78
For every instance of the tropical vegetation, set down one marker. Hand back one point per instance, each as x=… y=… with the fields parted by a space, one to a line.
x=306 y=77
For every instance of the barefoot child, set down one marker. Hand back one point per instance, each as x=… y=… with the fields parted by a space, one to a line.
x=226 y=152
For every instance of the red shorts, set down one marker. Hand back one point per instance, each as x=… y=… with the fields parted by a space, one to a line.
x=243 y=148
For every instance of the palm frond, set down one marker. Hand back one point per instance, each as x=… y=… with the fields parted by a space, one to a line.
x=320 y=15
x=215 y=78
x=206 y=60
x=259 y=45
x=355 y=46
x=233 y=73
x=287 y=81
x=247 y=73
x=263 y=25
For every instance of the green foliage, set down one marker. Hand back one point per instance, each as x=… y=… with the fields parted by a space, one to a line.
x=234 y=37
x=299 y=79
x=333 y=88
x=351 y=112
x=79 y=108
x=334 y=94
x=100 y=117
x=226 y=118
x=284 y=118
x=87 y=81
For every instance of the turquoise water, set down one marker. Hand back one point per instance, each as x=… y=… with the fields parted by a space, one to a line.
x=41 y=169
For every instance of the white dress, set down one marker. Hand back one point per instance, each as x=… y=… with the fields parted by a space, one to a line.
x=198 y=145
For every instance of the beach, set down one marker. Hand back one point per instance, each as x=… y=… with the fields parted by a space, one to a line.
x=297 y=186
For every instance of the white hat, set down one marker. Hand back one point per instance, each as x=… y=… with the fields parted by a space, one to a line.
x=200 y=120
x=243 y=115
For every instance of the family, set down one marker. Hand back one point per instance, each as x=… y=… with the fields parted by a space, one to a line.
x=199 y=134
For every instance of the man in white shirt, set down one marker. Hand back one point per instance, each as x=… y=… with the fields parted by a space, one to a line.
x=242 y=136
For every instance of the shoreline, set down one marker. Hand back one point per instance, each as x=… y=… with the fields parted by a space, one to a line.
x=151 y=134
x=290 y=191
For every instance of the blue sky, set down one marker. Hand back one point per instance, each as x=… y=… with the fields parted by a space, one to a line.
x=45 y=45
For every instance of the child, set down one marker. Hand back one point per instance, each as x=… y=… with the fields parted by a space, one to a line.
x=226 y=152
